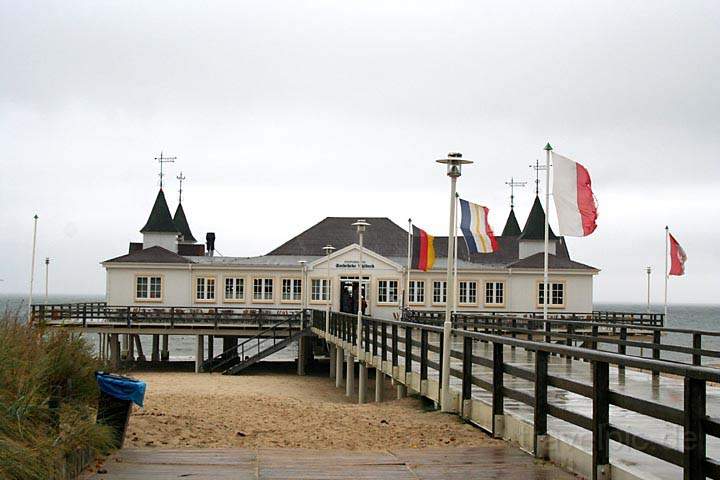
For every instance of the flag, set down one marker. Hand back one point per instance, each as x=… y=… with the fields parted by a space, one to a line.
x=476 y=229
x=423 y=250
x=574 y=199
x=677 y=257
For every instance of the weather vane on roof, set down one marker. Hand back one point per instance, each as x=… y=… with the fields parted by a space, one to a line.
x=512 y=184
x=180 y=177
x=537 y=167
x=162 y=160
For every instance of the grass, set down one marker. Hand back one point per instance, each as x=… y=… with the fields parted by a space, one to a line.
x=48 y=397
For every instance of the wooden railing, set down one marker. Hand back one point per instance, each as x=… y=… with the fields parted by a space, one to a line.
x=645 y=319
x=99 y=313
x=414 y=343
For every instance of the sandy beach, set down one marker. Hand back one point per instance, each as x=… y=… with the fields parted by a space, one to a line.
x=280 y=409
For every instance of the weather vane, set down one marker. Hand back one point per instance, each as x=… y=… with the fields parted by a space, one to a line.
x=180 y=177
x=162 y=160
x=512 y=184
x=537 y=167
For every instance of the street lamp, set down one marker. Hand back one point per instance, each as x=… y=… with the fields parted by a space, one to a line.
x=328 y=249
x=648 y=270
x=361 y=226
x=454 y=162
x=47 y=267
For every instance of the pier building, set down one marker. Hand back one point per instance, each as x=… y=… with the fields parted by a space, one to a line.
x=170 y=268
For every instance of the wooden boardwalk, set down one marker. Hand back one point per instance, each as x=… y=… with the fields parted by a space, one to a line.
x=498 y=461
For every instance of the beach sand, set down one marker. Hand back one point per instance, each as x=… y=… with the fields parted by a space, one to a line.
x=280 y=409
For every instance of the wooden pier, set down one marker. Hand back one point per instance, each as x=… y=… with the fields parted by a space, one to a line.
x=581 y=392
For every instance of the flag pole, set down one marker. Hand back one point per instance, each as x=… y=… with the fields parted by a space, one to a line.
x=32 y=269
x=546 y=285
x=667 y=234
x=409 y=265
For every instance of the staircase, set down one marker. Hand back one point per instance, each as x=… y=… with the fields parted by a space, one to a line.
x=268 y=341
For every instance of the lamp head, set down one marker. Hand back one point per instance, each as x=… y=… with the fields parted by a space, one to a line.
x=328 y=249
x=454 y=162
x=361 y=225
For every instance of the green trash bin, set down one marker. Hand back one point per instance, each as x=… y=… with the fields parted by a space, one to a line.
x=117 y=394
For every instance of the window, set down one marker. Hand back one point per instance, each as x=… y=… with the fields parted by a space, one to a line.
x=416 y=294
x=148 y=288
x=557 y=294
x=263 y=289
x=291 y=289
x=494 y=293
x=205 y=289
x=320 y=291
x=387 y=291
x=439 y=291
x=468 y=292
x=234 y=288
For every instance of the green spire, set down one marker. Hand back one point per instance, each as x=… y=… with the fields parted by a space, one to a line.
x=160 y=220
x=548 y=147
x=182 y=224
x=512 y=227
x=535 y=225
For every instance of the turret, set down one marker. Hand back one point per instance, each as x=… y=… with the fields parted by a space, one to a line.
x=160 y=229
x=181 y=223
x=532 y=238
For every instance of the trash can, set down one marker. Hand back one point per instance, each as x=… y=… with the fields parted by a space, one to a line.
x=117 y=394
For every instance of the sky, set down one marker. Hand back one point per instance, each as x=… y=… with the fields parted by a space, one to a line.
x=282 y=113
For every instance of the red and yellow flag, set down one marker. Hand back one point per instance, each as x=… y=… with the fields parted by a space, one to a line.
x=423 y=250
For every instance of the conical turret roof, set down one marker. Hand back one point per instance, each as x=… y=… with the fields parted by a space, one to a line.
x=535 y=226
x=182 y=224
x=512 y=227
x=160 y=220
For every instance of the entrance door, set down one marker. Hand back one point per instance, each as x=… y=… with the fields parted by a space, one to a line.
x=349 y=294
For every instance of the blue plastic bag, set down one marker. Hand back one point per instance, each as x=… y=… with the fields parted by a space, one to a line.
x=120 y=387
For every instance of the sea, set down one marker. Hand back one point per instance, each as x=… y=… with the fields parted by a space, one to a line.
x=688 y=316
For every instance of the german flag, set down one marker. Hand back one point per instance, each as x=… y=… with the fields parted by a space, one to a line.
x=423 y=250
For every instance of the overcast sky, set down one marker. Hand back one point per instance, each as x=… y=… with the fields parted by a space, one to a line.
x=282 y=113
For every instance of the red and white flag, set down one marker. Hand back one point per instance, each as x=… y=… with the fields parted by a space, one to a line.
x=574 y=199
x=677 y=257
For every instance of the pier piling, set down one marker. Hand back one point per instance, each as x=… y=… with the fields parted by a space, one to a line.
x=339 y=367
x=165 y=352
x=333 y=360
x=379 y=385
x=362 y=383
x=199 y=353
x=350 y=374
x=155 y=354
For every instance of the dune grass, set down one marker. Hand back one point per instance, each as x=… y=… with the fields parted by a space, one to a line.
x=48 y=397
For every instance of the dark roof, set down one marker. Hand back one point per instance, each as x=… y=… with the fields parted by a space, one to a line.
x=512 y=227
x=160 y=219
x=181 y=224
x=150 y=255
x=507 y=252
x=383 y=236
x=535 y=226
x=554 y=263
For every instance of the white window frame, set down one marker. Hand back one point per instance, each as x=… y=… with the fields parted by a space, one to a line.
x=209 y=289
x=494 y=289
x=443 y=292
x=295 y=292
x=319 y=290
x=553 y=286
x=149 y=277
x=267 y=290
x=238 y=283
x=465 y=299
x=387 y=291
x=416 y=293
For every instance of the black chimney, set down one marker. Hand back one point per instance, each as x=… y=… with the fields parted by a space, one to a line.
x=210 y=240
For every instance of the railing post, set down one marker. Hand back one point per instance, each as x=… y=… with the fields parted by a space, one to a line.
x=656 y=351
x=541 y=404
x=694 y=442
x=697 y=345
x=600 y=421
x=172 y=316
x=408 y=351
x=216 y=317
x=423 y=356
x=622 y=348
x=84 y=315
x=467 y=377
x=383 y=336
x=394 y=345
x=498 y=425
x=595 y=334
x=127 y=316
x=374 y=339
x=367 y=334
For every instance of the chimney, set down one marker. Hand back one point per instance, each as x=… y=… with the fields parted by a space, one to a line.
x=210 y=241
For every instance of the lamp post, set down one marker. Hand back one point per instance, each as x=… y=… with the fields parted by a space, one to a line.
x=328 y=249
x=361 y=226
x=303 y=269
x=648 y=270
x=47 y=267
x=454 y=162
